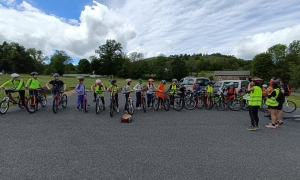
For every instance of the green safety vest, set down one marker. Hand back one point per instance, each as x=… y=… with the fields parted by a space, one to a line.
x=271 y=101
x=173 y=88
x=255 y=97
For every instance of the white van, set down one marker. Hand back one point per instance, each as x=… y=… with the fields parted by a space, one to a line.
x=237 y=84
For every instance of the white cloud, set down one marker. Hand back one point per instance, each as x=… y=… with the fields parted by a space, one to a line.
x=238 y=27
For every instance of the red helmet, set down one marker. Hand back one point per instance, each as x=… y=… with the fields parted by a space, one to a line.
x=151 y=80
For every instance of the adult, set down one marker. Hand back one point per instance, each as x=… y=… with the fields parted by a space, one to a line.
x=280 y=102
x=254 y=102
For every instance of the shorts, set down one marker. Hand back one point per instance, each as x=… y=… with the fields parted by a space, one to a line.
x=272 y=107
x=280 y=105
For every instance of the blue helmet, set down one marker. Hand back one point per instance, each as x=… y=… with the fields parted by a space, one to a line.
x=56 y=75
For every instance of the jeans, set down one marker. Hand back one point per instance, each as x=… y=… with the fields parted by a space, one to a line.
x=80 y=101
x=149 y=99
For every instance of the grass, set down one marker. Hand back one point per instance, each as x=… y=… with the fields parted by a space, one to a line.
x=295 y=99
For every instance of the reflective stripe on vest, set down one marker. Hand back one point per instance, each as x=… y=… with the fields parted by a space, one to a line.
x=255 y=97
x=271 y=101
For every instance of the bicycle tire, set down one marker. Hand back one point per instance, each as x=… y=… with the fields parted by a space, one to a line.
x=20 y=102
x=130 y=107
x=85 y=105
x=289 y=106
x=244 y=105
x=144 y=104
x=43 y=100
x=30 y=108
x=234 y=105
x=178 y=103
x=190 y=104
x=55 y=105
x=64 y=100
x=97 y=106
x=208 y=103
x=166 y=103
x=111 y=109
x=4 y=105
x=199 y=103
x=221 y=106
x=155 y=103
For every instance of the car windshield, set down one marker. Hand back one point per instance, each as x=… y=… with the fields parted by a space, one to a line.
x=218 y=84
x=202 y=82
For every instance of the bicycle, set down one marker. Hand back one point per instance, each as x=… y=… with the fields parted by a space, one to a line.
x=32 y=101
x=60 y=99
x=99 y=103
x=4 y=104
x=195 y=101
x=288 y=106
x=218 y=100
x=143 y=101
x=208 y=101
x=178 y=103
x=130 y=107
x=113 y=104
x=85 y=102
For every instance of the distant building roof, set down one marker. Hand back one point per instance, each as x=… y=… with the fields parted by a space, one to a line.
x=232 y=73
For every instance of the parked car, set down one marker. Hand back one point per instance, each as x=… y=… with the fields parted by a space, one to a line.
x=237 y=84
x=190 y=82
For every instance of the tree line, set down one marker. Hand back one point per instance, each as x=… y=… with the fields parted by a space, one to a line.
x=279 y=60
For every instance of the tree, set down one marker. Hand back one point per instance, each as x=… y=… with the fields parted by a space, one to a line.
x=262 y=66
x=293 y=58
x=111 y=57
x=58 y=62
x=84 y=66
x=179 y=68
x=278 y=52
x=135 y=56
x=95 y=66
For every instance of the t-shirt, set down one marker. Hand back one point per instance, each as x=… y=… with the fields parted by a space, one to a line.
x=33 y=83
x=81 y=88
x=17 y=84
x=56 y=84
x=182 y=90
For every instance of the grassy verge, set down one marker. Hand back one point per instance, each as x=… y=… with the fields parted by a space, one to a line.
x=295 y=99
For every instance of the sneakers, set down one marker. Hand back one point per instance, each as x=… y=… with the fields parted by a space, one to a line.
x=256 y=127
x=251 y=128
x=271 y=126
x=280 y=122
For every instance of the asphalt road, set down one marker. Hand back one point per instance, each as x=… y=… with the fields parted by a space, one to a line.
x=191 y=144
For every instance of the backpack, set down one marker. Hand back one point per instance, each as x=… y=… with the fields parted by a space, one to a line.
x=124 y=91
x=280 y=97
x=287 y=90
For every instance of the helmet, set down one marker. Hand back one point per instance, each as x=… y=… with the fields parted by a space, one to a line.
x=210 y=82
x=274 y=82
x=230 y=84
x=163 y=82
x=98 y=81
x=80 y=78
x=55 y=75
x=256 y=79
x=113 y=81
x=14 y=75
x=264 y=85
x=34 y=73
x=174 y=80
x=140 y=80
x=151 y=80
x=128 y=80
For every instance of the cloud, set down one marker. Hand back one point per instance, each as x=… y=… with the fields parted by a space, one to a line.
x=238 y=27
x=32 y=28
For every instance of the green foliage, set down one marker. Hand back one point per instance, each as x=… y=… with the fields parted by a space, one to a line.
x=58 y=62
x=201 y=74
x=179 y=69
x=84 y=66
x=262 y=66
x=211 y=78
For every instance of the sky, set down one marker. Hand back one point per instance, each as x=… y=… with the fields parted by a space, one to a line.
x=152 y=27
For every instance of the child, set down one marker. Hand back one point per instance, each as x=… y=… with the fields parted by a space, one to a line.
x=57 y=84
x=150 y=89
x=18 y=84
x=138 y=89
x=231 y=89
x=209 y=89
x=113 y=88
x=160 y=94
x=99 y=89
x=173 y=91
x=80 y=89
x=127 y=91
x=33 y=84
x=242 y=91
x=197 y=90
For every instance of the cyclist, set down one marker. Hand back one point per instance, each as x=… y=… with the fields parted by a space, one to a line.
x=272 y=103
x=197 y=90
x=150 y=88
x=57 y=85
x=209 y=89
x=160 y=94
x=173 y=91
x=126 y=90
x=33 y=84
x=243 y=91
x=18 y=85
x=80 y=89
x=99 y=89
x=113 y=88
x=230 y=90
x=138 y=89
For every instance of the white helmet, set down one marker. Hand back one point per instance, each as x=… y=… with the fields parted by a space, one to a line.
x=98 y=81
x=128 y=80
x=14 y=75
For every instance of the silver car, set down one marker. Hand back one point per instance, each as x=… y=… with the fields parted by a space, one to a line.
x=191 y=81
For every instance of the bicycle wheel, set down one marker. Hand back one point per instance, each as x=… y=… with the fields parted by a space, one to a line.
x=31 y=108
x=144 y=104
x=130 y=107
x=43 y=100
x=244 y=105
x=64 y=100
x=155 y=103
x=111 y=108
x=55 y=105
x=234 y=105
x=4 y=105
x=97 y=106
x=178 y=105
x=221 y=105
x=199 y=103
x=208 y=103
x=190 y=104
x=85 y=105
x=289 y=106
x=20 y=103
x=166 y=104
